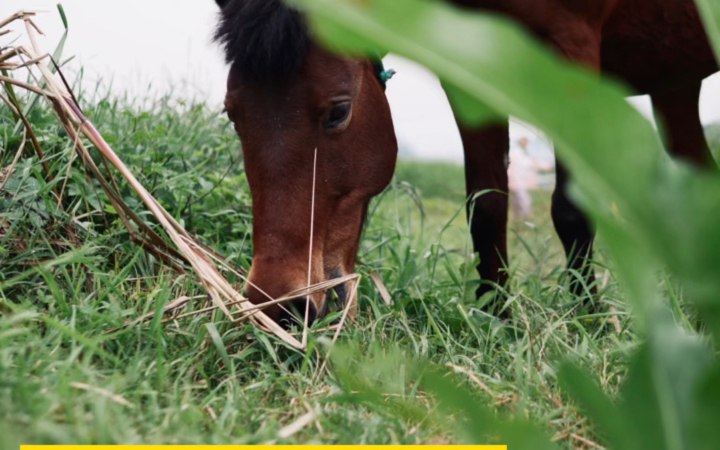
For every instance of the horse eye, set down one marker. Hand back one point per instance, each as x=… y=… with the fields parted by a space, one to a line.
x=338 y=115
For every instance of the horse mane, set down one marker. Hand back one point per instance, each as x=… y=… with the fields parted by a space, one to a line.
x=263 y=39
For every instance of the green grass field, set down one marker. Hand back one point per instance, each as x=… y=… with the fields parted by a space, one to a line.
x=64 y=379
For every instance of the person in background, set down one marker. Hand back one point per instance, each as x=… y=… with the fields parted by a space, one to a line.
x=525 y=163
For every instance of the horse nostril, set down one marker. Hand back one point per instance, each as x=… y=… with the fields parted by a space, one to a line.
x=297 y=307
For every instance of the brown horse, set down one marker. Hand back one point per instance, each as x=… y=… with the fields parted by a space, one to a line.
x=317 y=127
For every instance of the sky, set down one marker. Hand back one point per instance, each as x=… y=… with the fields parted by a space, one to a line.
x=143 y=46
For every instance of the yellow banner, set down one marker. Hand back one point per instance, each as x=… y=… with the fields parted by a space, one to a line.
x=255 y=447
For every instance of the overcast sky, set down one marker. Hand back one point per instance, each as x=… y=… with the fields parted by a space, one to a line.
x=153 y=44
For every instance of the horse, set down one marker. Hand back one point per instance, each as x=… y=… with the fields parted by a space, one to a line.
x=319 y=144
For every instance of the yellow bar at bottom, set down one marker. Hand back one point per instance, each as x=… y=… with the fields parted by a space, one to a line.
x=255 y=447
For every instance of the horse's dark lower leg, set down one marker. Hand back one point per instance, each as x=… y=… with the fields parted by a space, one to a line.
x=579 y=43
x=576 y=234
x=486 y=153
x=678 y=111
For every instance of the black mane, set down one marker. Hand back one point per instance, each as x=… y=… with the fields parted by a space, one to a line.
x=263 y=39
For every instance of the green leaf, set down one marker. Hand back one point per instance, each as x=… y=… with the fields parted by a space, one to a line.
x=677 y=362
x=705 y=433
x=61 y=10
x=710 y=12
x=656 y=211
x=649 y=209
x=613 y=424
x=469 y=110
x=220 y=346
x=657 y=409
x=495 y=63
x=658 y=393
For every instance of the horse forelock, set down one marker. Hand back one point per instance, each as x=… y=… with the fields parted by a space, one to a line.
x=263 y=39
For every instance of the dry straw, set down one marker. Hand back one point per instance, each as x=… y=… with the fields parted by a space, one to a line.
x=184 y=250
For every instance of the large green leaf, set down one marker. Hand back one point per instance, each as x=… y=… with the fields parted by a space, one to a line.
x=705 y=432
x=710 y=12
x=658 y=394
x=615 y=151
x=659 y=405
x=655 y=209
x=614 y=426
x=649 y=209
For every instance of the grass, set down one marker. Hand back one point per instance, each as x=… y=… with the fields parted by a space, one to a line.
x=433 y=181
x=202 y=380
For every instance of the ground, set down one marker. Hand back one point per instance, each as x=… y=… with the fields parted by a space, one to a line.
x=65 y=379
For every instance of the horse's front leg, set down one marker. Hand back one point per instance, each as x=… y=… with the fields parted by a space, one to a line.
x=486 y=180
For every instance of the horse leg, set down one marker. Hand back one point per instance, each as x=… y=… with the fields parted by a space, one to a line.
x=486 y=180
x=576 y=234
x=678 y=110
x=581 y=45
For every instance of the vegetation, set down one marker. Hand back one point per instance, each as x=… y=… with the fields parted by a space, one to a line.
x=712 y=132
x=438 y=180
x=428 y=368
x=63 y=379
